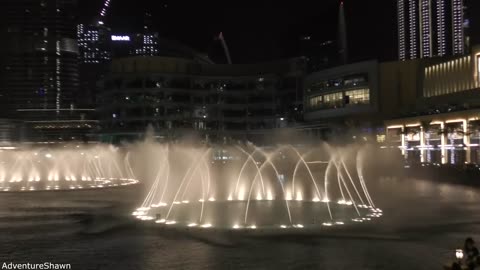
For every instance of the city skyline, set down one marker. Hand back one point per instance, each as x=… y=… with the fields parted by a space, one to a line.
x=256 y=39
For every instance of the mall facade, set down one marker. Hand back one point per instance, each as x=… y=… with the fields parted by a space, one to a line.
x=184 y=98
x=446 y=129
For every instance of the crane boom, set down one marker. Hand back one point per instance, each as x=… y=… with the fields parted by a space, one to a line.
x=225 y=48
x=104 y=10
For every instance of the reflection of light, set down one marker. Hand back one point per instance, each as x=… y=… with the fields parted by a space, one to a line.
x=207 y=225
x=192 y=225
x=160 y=221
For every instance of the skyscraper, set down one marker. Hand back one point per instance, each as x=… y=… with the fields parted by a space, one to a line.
x=429 y=28
x=39 y=58
x=39 y=69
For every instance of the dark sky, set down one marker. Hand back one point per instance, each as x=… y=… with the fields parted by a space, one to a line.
x=260 y=30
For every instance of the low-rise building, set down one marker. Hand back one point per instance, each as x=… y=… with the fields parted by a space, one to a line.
x=181 y=97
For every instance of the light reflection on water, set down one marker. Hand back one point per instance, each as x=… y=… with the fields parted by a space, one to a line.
x=93 y=230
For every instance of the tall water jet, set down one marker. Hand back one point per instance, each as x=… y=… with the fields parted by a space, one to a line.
x=243 y=187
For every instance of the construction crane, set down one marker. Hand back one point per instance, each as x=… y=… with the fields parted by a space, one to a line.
x=103 y=12
x=225 y=47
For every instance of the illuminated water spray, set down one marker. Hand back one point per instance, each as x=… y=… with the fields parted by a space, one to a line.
x=64 y=167
x=245 y=187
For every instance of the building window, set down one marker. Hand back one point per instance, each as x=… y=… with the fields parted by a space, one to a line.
x=359 y=96
x=316 y=101
x=334 y=100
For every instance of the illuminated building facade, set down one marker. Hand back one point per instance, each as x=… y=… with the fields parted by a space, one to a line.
x=190 y=97
x=39 y=62
x=446 y=127
x=429 y=28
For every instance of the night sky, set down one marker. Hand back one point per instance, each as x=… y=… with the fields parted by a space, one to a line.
x=261 y=30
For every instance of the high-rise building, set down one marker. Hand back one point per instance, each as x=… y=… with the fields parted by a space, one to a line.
x=39 y=66
x=429 y=28
x=93 y=43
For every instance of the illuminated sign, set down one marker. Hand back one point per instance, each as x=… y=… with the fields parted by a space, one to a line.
x=120 y=38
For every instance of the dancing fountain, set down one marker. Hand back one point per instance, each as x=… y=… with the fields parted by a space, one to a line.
x=66 y=167
x=249 y=188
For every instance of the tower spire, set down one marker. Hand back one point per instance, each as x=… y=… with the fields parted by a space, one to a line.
x=342 y=35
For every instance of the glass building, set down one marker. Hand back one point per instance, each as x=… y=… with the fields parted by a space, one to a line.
x=39 y=61
x=428 y=28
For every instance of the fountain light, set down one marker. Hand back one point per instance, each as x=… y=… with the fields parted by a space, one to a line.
x=171 y=222
x=253 y=227
x=160 y=221
x=201 y=200
x=236 y=226
x=316 y=199
x=185 y=201
x=328 y=224
x=339 y=223
x=48 y=155
x=299 y=196
x=283 y=226
x=192 y=225
x=259 y=197
x=207 y=225
x=212 y=199
x=269 y=195
x=175 y=202
x=230 y=198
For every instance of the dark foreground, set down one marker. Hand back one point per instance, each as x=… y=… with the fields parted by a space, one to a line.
x=423 y=223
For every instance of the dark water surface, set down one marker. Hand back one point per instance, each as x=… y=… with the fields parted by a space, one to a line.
x=423 y=223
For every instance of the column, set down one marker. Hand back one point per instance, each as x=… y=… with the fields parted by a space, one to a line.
x=466 y=142
x=443 y=143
